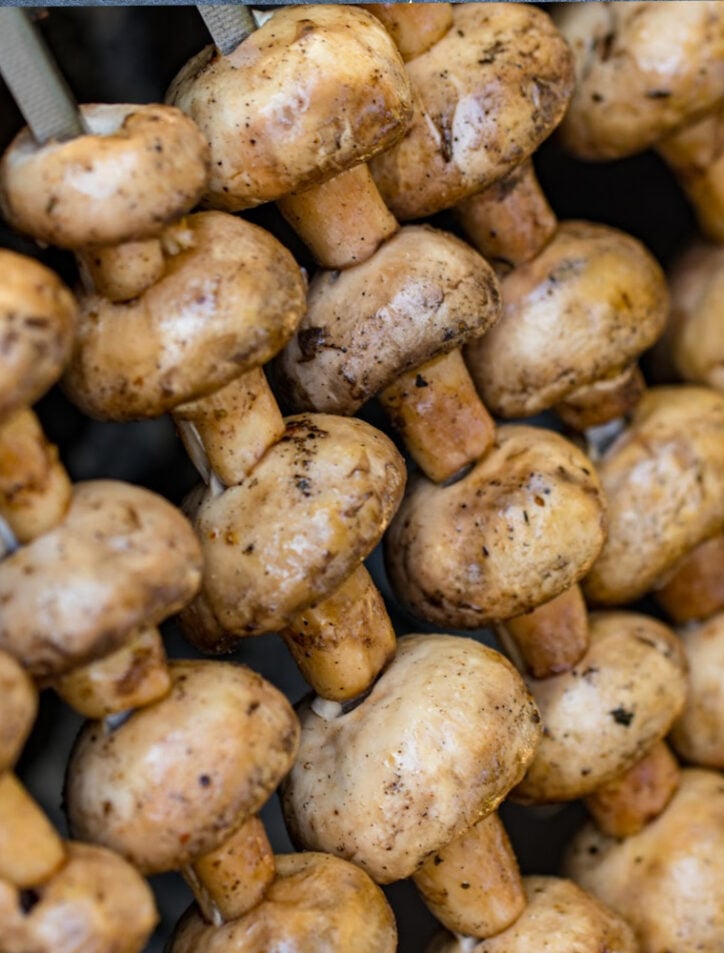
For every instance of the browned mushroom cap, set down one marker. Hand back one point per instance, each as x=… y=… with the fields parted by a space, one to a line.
x=584 y=309
x=64 y=600
x=698 y=735
x=692 y=346
x=37 y=316
x=230 y=297
x=423 y=293
x=138 y=168
x=95 y=903
x=522 y=526
x=642 y=71
x=668 y=880
x=602 y=716
x=558 y=918
x=317 y=904
x=286 y=537
x=664 y=483
x=314 y=91
x=444 y=734
x=18 y=707
x=486 y=96
x=175 y=779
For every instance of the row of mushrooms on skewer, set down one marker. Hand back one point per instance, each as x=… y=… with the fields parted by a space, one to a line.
x=396 y=768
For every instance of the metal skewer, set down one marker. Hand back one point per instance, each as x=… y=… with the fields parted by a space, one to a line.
x=35 y=81
x=229 y=25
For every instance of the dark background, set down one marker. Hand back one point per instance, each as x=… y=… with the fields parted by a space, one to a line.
x=130 y=54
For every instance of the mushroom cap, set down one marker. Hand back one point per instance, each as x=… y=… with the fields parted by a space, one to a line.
x=175 y=779
x=668 y=880
x=229 y=299
x=423 y=293
x=316 y=904
x=698 y=734
x=523 y=525
x=443 y=735
x=664 y=482
x=122 y=557
x=95 y=903
x=642 y=71
x=137 y=168
x=693 y=343
x=600 y=718
x=312 y=92
x=485 y=97
x=18 y=708
x=37 y=318
x=313 y=508
x=558 y=918
x=582 y=310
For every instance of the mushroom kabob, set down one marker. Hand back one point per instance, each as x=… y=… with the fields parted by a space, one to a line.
x=332 y=78
x=650 y=74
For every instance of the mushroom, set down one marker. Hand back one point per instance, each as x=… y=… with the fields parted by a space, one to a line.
x=442 y=736
x=601 y=717
x=694 y=589
x=298 y=568
x=414 y=31
x=692 y=347
x=520 y=528
x=668 y=880
x=122 y=559
x=698 y=733
x=392 y=326
x=648 y=75
x=316 y=903
x=286 y=64
x=18 y=708
x=662 y=478
x=94 y=903
x=172 y=783
x=558 y=917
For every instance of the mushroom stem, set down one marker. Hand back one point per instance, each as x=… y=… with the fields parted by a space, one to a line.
x=509 y=222
x=625 y=805
x=232 y=879
x=442 y=420
x=414 y=27
x=234 y=426
x=473 y=885
x=696 y=156
x=343 y=221
x=551 y=638
x=30 y=849
x=131 y=677
x=35 y=489
x=343 y=643
x=695 y=589
x=604 y=400
x=121 y=272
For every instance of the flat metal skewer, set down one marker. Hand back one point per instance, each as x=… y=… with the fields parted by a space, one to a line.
x=229 y=25
x=34 y=80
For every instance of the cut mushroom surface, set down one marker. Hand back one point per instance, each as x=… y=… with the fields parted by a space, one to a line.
x=668 y=880
x=664 y=482
x=422 y=294
x=317 y=904
x=315 y=90
x=559 y=917
x=582 y=310
x=523 y=525
x=177 y=777
x=443 y=735
x=602 y=716
x=123 y=556
x=37 y=321
x=136 y=169
x=18 y=707
x=230 y=297
x=340 y=481
x=498 y=59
